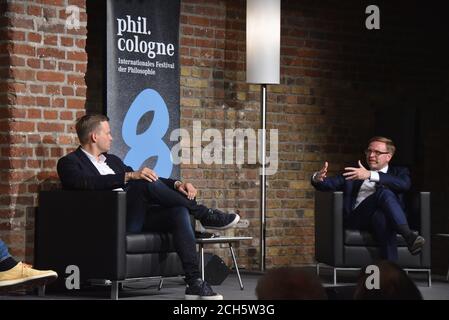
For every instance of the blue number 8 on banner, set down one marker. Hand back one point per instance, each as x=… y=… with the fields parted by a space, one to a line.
x=149 y=143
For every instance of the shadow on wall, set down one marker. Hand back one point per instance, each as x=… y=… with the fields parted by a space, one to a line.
x=25 y=203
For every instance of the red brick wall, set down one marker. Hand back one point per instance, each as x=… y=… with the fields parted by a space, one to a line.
x=212 y=48
x=42 y=91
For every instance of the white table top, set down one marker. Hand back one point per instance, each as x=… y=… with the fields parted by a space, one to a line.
x=221 y=239
x=442 y=235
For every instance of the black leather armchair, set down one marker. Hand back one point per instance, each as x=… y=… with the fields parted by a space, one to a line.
x=345 y=249
x=88 y=229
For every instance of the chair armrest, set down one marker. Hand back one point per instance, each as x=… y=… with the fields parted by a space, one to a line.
x=82 y=228
x=329 y=231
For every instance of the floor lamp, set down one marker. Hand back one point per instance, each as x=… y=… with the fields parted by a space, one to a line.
x=263 y=35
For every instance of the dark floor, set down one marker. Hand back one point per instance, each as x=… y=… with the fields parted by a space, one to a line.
x=173 y=289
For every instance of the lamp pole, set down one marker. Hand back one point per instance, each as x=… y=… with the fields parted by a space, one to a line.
x=263 y=177
x=263 y=37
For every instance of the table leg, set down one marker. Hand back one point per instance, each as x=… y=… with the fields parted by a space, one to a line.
x=202 y=260
x=161 y=282
x=236 y=266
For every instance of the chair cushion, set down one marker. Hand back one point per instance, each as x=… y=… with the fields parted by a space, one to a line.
x=165 y=264
x=364 y=238
x=360 y=256
x=149 y=242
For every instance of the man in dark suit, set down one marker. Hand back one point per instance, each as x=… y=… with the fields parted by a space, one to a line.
x=373 y=199
x=90 y=167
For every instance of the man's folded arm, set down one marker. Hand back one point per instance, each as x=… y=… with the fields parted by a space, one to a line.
x=73 y=177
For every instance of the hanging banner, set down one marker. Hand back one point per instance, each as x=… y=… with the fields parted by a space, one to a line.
x=142 y=75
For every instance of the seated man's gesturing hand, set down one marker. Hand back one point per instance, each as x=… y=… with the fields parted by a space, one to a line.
x=188 y=189
x=321 y=175
x=360 y=173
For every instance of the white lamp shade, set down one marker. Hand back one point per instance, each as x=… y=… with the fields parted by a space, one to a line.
x=263 y=41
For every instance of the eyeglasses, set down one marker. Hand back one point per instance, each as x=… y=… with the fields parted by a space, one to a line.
x=376 y=152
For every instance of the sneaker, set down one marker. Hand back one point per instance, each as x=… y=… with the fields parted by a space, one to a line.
x=201 y=290
x=415 y=246
x=24 y=275
x=215 y=219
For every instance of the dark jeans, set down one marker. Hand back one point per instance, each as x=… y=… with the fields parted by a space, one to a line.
x=380 y=214
x=4 y=254
x=141 y=193
x=177 y=221
x=173 y=217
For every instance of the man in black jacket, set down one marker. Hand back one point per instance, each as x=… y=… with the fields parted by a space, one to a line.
x=90 y=167
x=373 y=199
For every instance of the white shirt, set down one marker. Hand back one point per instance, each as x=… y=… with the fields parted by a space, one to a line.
x=368 y=186
x=101 y=165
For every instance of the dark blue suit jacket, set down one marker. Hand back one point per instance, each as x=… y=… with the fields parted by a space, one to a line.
x=397 y=179
x=77 y=172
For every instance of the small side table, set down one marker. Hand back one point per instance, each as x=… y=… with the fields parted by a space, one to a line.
x=444 y=235
x=229 y=241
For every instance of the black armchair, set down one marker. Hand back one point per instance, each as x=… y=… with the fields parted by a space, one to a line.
x=345 y=249
x=88 y=229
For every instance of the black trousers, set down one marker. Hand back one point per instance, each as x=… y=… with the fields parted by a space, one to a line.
x=380 y=214
x=173 y=216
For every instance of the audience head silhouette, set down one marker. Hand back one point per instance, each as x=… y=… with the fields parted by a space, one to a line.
x=394 y=284
x=290 y=284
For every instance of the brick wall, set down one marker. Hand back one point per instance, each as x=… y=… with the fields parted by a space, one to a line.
x=42 y=91
x=212 y=53
x=338 y=81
